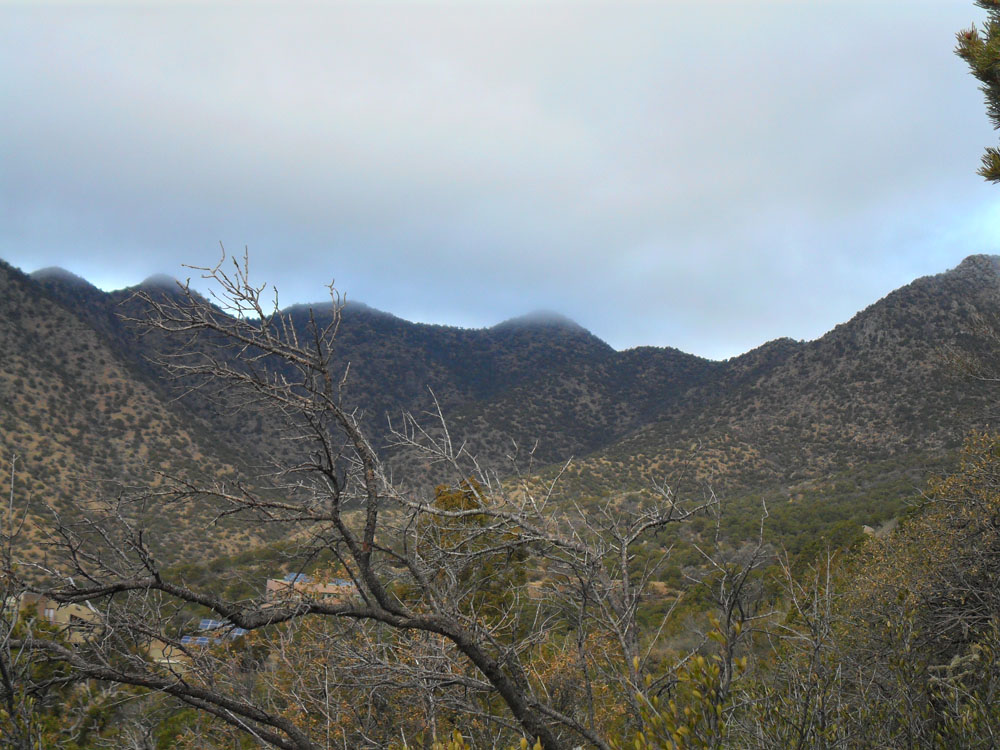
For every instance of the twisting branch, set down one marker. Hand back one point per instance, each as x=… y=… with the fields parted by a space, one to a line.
x=439 y=604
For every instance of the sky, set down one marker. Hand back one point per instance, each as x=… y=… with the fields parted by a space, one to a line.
x=706 y=175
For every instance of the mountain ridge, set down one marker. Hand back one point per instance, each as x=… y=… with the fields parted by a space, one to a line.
x=969 y=268
x=782 y=415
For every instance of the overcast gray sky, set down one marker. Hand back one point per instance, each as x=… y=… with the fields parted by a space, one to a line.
x=707 y=175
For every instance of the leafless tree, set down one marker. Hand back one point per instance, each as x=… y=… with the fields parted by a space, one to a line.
x=417 y=619
x=14 y=712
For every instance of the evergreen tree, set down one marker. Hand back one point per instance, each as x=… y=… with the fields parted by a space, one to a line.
x=980 y=48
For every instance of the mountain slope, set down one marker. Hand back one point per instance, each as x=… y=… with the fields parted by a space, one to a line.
x=529 y=380
x=81 y=420
x=786 y=417
x=877 y=387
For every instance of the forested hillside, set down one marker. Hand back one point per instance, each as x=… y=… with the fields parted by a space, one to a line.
x=84 y=423
x=882 y=386
x=728 y=605
x=788 y=418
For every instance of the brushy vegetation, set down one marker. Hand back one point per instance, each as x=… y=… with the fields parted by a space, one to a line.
x=774 y=622
x=894 y=642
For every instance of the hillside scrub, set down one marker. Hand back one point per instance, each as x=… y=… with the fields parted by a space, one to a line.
x=437 y=605
x=487 y=607
x=891 y=643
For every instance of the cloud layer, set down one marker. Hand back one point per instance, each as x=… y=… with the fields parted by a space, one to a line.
x=706 y=175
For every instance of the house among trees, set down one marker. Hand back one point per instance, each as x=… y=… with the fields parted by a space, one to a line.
x=212 y=632
x=76 y=621
x=300 y=585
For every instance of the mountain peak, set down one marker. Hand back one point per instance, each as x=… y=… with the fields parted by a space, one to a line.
x=58 y=274
x=159 y=281
x=351 y=308
x=541 y=319
x=979 y=264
